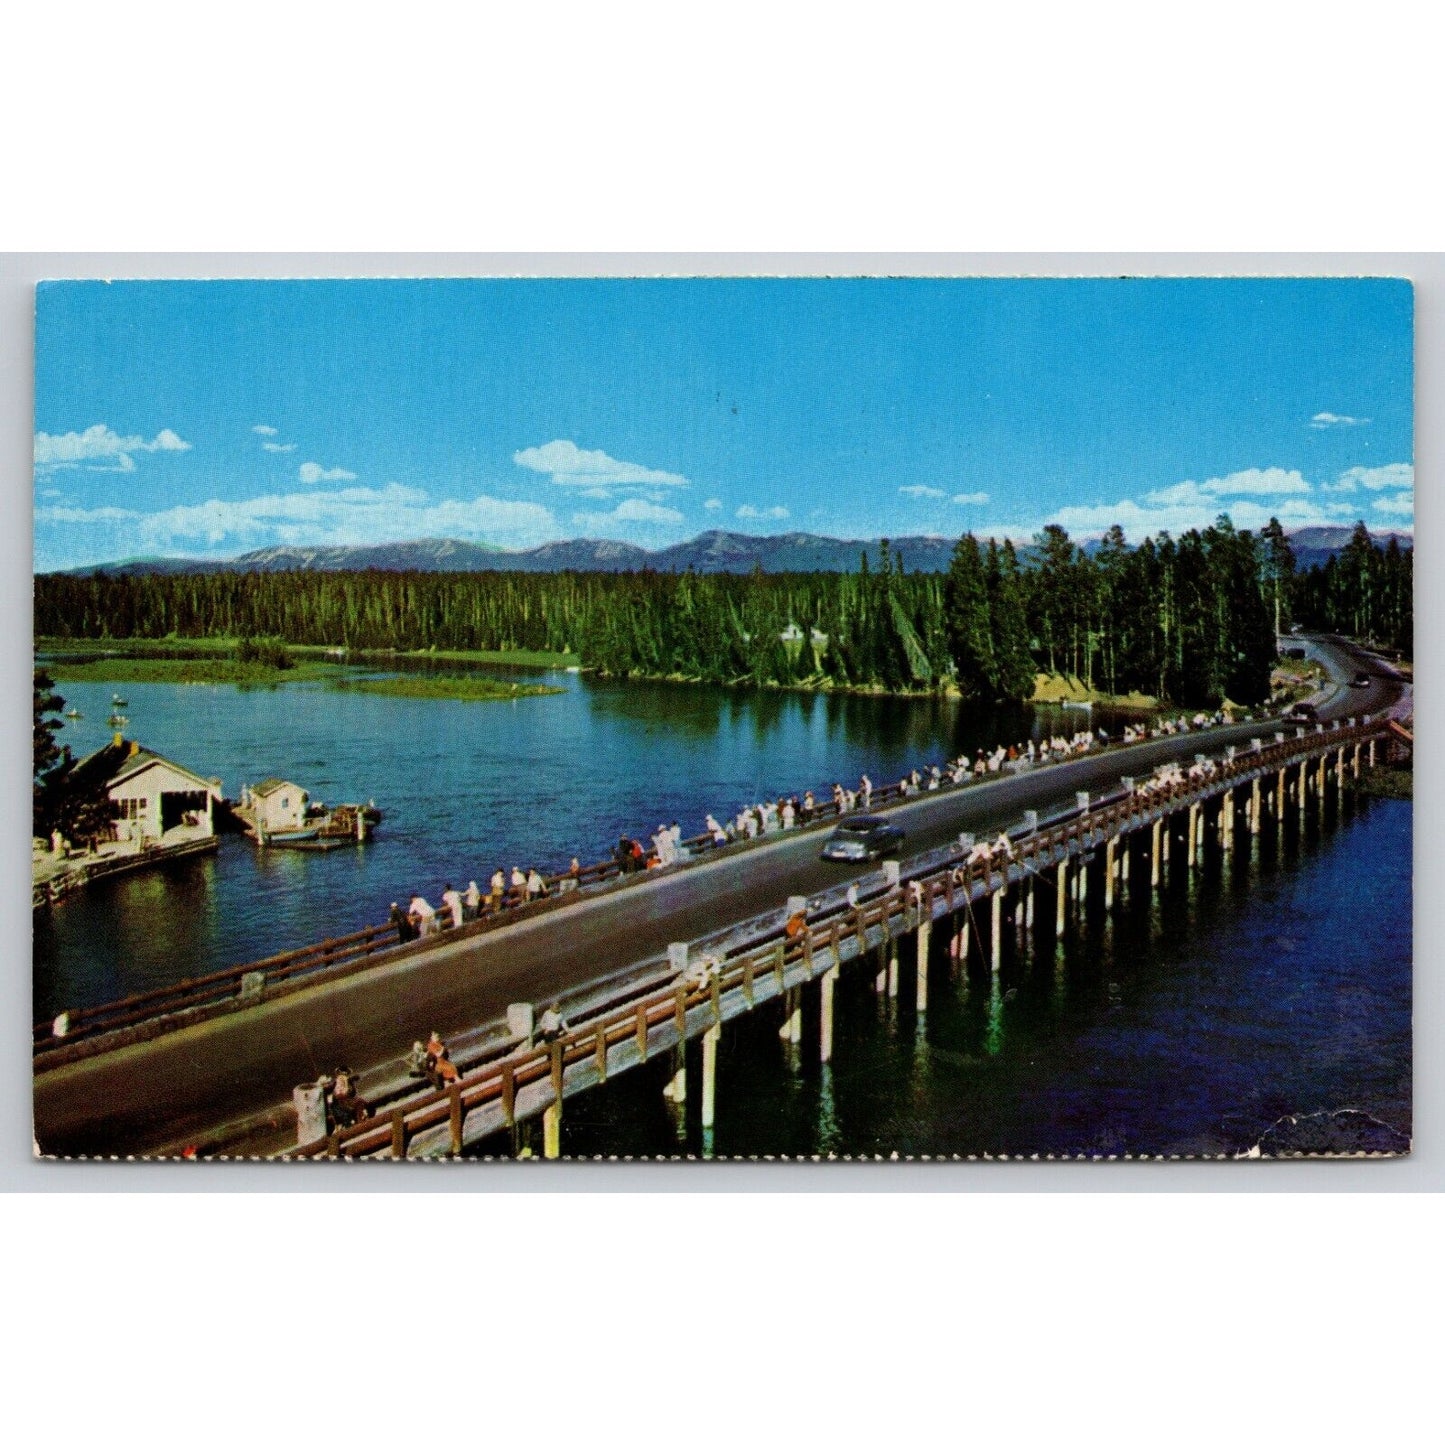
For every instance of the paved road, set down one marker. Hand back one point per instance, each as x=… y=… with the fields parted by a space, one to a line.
x=150 y=1096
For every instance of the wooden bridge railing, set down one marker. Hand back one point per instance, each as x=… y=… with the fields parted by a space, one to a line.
x=916 y=896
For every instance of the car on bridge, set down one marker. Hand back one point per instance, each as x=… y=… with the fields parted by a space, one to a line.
x=1303 y=712
x=1361 y=679
x=862 y=839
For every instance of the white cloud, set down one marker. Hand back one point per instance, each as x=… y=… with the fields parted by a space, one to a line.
x=970 y=499
x=1397 y=504
x=1345 y=484
x=278 y=446
x=634 y=510
x=1322 y=419
x=315 y=472
x=919 y=490
x=100 y=444
x=749 y=512
x=712 y=505
x=264 y=431
x=345 y=517
x=1376 y=479
x=1256 y=482
x=570 y=466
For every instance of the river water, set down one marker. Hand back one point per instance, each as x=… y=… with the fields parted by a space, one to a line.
x=1189 y=1024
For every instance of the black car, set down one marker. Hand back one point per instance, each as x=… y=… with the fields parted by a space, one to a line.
x=1304 y=712
x=1361 y=679
x=862 y=839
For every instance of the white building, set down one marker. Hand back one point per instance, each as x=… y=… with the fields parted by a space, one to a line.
x=277 y=805
x=155 y=799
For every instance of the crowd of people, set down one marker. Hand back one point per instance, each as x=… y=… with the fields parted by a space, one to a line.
x=667 y=847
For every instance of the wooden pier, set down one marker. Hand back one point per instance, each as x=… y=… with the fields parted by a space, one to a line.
x=942 y=890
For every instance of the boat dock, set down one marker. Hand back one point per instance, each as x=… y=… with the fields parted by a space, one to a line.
x=275 y=813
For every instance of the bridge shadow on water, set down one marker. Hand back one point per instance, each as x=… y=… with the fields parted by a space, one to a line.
x=1267 y=985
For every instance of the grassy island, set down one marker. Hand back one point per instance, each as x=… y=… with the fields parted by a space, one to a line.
x=460 y=689
x=189 y=670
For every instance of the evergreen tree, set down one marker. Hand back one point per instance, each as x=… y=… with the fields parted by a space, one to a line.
x=966 y=619
x=1012 y=670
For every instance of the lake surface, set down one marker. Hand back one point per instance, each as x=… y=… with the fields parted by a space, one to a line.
x=1257 y=989
x=1260 y=1003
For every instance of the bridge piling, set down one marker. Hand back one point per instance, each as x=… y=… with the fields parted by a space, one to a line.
x=1061 y=897
x=1193 y=833
x=552 y=1130
x=1154 y=850
x=925 y=929
x=825 y=1026
x=1029 y=907
x=892 y=968
x=676 y=1087
x=1254 y=806
x=996 y=941
x=1109 y=874
x=709 y=1074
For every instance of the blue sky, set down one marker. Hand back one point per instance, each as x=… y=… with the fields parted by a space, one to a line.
x=210 y=418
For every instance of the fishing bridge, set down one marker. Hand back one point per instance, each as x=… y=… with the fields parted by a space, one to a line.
x=642 y=970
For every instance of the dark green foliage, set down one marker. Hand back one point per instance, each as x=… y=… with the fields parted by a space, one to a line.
x=1365 y=591
x=1190 y=620
x=966 y=620
x=64 y=797
x=50 y=757
x=267 y=652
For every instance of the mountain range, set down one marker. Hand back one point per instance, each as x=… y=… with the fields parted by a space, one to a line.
x=714 y=551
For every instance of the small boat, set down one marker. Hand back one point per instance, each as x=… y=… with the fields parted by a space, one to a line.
x=74 y=712
x=1082 y=706
x=291 y=838
x=117 y=720
x=116 y=700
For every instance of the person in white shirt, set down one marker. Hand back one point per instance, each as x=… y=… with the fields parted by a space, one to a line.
x=471 y=900
x=422 y=914
x=535 y=887
x=452 y=902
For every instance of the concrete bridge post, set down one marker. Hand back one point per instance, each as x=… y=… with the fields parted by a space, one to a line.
x=1061 y=897
x=709 y=1074
x=996 y=942
x=892 y=968
x=1109 y=874
x=1304 y=785
x=1279 y=796
x=825 y=1028
x=1154 y=850
x=924 y=930
x=1254 y=806
x=1193 y=833
x=676 y=1086
x=552 y=1130
x=1372 y=752
x=1029 y=907
x=1356 y=762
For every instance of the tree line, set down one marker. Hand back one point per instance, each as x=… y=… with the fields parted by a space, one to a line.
x=1192 y=620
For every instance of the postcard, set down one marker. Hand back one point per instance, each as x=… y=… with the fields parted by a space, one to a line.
x=723 y=718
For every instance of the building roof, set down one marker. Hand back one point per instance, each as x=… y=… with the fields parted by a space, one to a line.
x=267 y=786
x=114 y=763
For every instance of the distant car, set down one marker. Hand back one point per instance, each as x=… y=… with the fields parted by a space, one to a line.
x=1297 y=628
x=862 y=839
x=1304 y=712
x=1361 y=679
